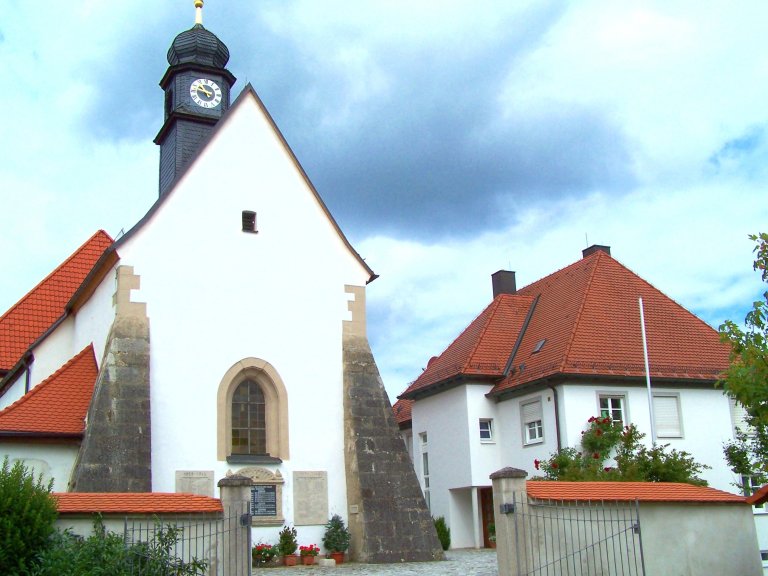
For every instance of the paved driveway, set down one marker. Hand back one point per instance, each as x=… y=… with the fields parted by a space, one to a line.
x=467 y=562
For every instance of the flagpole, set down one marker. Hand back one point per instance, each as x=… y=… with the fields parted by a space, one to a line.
x=647 y=373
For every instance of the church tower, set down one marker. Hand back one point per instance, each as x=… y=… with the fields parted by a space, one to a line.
x=197 y=88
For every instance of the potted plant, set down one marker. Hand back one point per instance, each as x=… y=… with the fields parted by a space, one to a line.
x=336 y=538
x=287 y=546
x=263 y=554
x=308 y=554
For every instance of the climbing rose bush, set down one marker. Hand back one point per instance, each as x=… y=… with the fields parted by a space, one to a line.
x=609 y=452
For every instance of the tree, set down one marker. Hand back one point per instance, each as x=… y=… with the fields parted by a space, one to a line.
x=27 y=516
x=746 y=379
x=604 y=442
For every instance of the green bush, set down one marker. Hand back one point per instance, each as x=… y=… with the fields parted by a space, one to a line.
x=105 y=553
x=287 y=543
x=27 y=517
x=443 y=532
x=336 y=537
x=604 y=442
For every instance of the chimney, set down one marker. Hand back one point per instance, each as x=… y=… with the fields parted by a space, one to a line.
x=503 y=282
x=595 y=248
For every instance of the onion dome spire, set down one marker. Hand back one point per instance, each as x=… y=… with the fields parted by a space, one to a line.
x=198 y=46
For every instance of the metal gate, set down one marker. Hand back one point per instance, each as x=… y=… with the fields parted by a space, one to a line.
x=562 y=538
x=190 y=545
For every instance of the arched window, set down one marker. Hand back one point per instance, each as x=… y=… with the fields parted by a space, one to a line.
x=252 y=423
x=249 y=423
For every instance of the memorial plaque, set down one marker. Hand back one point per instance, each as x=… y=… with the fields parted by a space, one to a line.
x=198 y=482
x=264 y=500
x=310 y=498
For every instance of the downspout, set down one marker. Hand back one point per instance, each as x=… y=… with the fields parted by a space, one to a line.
x=557 y=418
x=27 y=376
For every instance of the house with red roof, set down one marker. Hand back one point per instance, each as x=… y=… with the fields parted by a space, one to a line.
x=224 y=333
x=521 y=381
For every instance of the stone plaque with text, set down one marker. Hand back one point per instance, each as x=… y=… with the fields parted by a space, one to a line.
x=198 y=482
x=310 y=498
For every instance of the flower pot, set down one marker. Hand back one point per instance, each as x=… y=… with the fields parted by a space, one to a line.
x=338 y=556
x=290 y=560
x=307 y=560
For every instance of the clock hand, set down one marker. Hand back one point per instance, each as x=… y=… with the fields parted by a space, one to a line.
x=204 y=90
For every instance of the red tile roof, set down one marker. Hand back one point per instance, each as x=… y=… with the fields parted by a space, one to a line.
x=402 y=410
x=135 y=503
x=31 y=316
x=628 y=491
x=56 y=406
x=588 y=316
x=759 y=497
x=483 y=348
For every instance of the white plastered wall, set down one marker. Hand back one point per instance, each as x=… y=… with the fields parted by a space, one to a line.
x=216 y=295
x=53 y=461
x=705 y=413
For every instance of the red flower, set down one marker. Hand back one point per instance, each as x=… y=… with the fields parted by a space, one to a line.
x=554 y=464
x=591 y=419
x=606 y=420
x=536 y=464
x=595 y=455
x=607 y=469
x=598 y=432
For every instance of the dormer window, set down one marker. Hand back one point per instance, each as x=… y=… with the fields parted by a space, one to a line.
x=539 y=345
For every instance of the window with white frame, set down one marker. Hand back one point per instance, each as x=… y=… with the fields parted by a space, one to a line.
x=530 y=416
x=666 y=414
x=486 y=430
x=612 y=406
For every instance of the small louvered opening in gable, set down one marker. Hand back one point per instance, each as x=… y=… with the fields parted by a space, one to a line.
x=249 y=221
x=539 y=345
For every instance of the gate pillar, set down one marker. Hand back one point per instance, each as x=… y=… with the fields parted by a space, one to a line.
x=235 y=499
x=509 y=496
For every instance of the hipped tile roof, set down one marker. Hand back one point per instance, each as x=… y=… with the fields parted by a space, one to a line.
x=628 y=492
x=135 y=503
x=31 y=316
x=58 y=405
x=588 y=316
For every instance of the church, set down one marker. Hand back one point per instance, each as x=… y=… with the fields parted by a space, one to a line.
x=224 y=333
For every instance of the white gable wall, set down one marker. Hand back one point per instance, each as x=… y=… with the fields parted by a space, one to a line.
x=216 y=295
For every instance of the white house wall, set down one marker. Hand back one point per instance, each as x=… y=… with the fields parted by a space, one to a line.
x=444 y=418
x=514 y=452
x=53 y=461
x=484 y=455
x=705 y=420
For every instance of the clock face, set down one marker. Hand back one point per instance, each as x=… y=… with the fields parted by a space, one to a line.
x=205 y=93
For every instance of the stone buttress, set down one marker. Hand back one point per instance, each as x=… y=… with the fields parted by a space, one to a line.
x=388 y=517
x=115 y=454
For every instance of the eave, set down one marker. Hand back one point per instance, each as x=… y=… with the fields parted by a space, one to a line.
x=449 y=383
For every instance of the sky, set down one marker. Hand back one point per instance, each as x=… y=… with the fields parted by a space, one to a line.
x=450 y=139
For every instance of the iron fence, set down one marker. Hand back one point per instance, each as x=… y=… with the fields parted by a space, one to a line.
x=190 y=545
x=562 y=538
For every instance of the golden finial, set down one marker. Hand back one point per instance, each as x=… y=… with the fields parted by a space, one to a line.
x=199 y=12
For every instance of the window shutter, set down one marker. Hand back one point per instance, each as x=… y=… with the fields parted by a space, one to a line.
x=532 y=411
x=739 y=416
x=667 y=414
